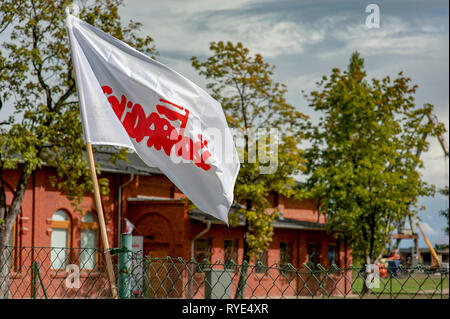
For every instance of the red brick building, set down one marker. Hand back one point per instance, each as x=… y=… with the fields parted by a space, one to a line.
x=157 y=209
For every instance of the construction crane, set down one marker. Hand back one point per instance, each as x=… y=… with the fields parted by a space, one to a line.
x=402 y=231
x=436 y=263
x=433 y=119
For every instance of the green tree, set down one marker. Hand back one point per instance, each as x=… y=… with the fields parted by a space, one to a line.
x=37 y=80
x=252 y=100
x=365 y=154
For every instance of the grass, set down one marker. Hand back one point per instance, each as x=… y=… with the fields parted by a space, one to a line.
x=413 y=285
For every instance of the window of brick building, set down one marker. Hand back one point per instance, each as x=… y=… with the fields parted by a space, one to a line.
x=333 y=255
x=202 y=253
x=230 y=253
x=60 y=240
x=261 y=263
x=313 y=255
x=285 y=257
x=89 y=242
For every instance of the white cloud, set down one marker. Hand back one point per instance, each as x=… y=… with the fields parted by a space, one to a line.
x=306 y=82
x=443 y=240
x=428 y=230
x=192 y=26
x=436 y=169
x=271 y=38
x=397 y=35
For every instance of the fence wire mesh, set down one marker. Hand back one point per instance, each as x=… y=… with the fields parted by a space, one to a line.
x=43 y=272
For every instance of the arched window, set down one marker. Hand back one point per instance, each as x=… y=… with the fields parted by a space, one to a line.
x=89 y=242
x=60 y=241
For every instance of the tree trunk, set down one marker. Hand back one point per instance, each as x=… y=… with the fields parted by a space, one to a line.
x=6 y=228
x=365 y=290
x=369 y=259
x=240 y=291
x=5 y=261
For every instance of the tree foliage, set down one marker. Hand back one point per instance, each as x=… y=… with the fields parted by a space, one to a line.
x=251 y=99
x=444 y=212
x=37 y=81
x=365 y=154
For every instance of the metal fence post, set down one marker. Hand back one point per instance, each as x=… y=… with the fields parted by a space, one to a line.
x=36 y=275
x=146 y=279
x=240 y=291
x=323 y=273
x=34 y=289
x=390 y=285
x=125 y=266
x=191 y=279
x=41 y=281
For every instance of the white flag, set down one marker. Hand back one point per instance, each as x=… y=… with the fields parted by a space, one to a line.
x=128 y=99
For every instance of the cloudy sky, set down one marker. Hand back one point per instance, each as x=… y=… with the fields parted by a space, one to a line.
x=305 y=39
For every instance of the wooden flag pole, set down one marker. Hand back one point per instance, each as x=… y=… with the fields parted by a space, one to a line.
x=101 y=221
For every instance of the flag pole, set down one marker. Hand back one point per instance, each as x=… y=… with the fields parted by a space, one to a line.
x=101 y=220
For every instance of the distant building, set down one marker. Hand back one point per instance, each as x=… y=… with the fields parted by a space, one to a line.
x=425 y=256
x=162 y=217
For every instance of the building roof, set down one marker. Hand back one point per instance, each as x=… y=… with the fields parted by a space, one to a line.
x=134 y=165
x=290 y=223
x=285 y=223
x=424 y=250
x=144 y=198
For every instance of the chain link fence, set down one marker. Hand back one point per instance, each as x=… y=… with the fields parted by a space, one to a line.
x=44 y=272
x=38 y=272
